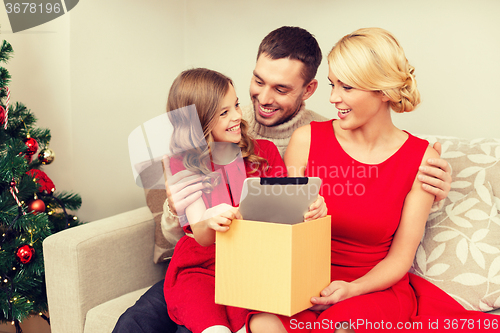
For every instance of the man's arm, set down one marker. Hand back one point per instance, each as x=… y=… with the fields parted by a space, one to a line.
x=436 y=176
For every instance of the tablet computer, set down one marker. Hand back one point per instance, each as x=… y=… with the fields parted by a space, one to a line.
x=279 y=200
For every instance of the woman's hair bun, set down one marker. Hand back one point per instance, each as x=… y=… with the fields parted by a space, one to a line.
x=409 y=96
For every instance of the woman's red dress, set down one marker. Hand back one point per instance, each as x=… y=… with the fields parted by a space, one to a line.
x=365 y=202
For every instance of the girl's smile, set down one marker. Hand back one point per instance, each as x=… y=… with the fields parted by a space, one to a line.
x=234 y=129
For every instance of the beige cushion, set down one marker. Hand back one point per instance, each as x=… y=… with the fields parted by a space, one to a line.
x=474 y=163
x=167 y=229
x=460 y=251
x=164 y=245
x=103 y=318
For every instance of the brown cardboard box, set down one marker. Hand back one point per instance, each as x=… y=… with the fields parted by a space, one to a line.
x=272 y=267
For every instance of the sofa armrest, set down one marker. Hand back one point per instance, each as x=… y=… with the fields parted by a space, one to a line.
x=95 y=262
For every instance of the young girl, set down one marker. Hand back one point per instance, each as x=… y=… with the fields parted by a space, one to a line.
x=189 y=283
x=377 y=228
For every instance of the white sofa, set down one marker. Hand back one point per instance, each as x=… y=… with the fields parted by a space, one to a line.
x=95 y=271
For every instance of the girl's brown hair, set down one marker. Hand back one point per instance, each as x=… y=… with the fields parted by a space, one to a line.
x=205 y=89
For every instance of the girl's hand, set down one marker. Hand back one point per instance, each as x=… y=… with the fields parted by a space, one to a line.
x=335 y=292
x=316 y=210
x=220 y=217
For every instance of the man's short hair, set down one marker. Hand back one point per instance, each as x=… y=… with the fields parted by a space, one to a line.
x=294 y=43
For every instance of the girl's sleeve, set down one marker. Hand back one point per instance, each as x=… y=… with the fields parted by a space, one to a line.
x=176 y=164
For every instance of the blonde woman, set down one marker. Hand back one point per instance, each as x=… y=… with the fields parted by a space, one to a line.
x=372 y=188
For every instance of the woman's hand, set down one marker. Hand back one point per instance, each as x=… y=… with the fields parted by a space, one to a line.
x=220 y=217
x=316 y=210
x=335 y=292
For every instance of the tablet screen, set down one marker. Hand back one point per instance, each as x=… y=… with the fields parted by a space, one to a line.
x=278 y=200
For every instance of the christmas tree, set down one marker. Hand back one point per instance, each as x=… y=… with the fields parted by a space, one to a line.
x=30 y=207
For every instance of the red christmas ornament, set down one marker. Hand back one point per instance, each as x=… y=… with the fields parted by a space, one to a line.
x=37 y=206
x=32 y=147
x=25 y=253
x=46 y=184
x=3 y=116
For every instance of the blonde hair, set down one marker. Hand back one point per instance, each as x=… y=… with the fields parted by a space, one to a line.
x=205 y=89
x=372 y=59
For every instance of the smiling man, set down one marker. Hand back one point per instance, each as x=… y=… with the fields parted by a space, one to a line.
x=283 y=78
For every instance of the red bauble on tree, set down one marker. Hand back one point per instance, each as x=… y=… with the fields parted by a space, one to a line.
x=25 y=253
x=3 y=116
x=37 y=206
x=32 y=147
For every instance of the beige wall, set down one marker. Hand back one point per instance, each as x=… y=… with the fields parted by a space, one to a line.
x=95 y=74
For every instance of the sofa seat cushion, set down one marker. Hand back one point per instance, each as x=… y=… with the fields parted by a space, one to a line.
x=103 y=317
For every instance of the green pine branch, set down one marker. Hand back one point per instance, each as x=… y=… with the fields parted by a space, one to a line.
x=72 y=201
x=60 y=218
x=6 y=51
x=22 y=123
x=13 y=166
x=8 y=211
x=4 y=81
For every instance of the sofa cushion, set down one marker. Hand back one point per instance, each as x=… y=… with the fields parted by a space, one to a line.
x=460 y=251
x=473 y=164
x=167 y=228
x=164 y=241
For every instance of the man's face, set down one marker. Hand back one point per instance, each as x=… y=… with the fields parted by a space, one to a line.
x=277 y=89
